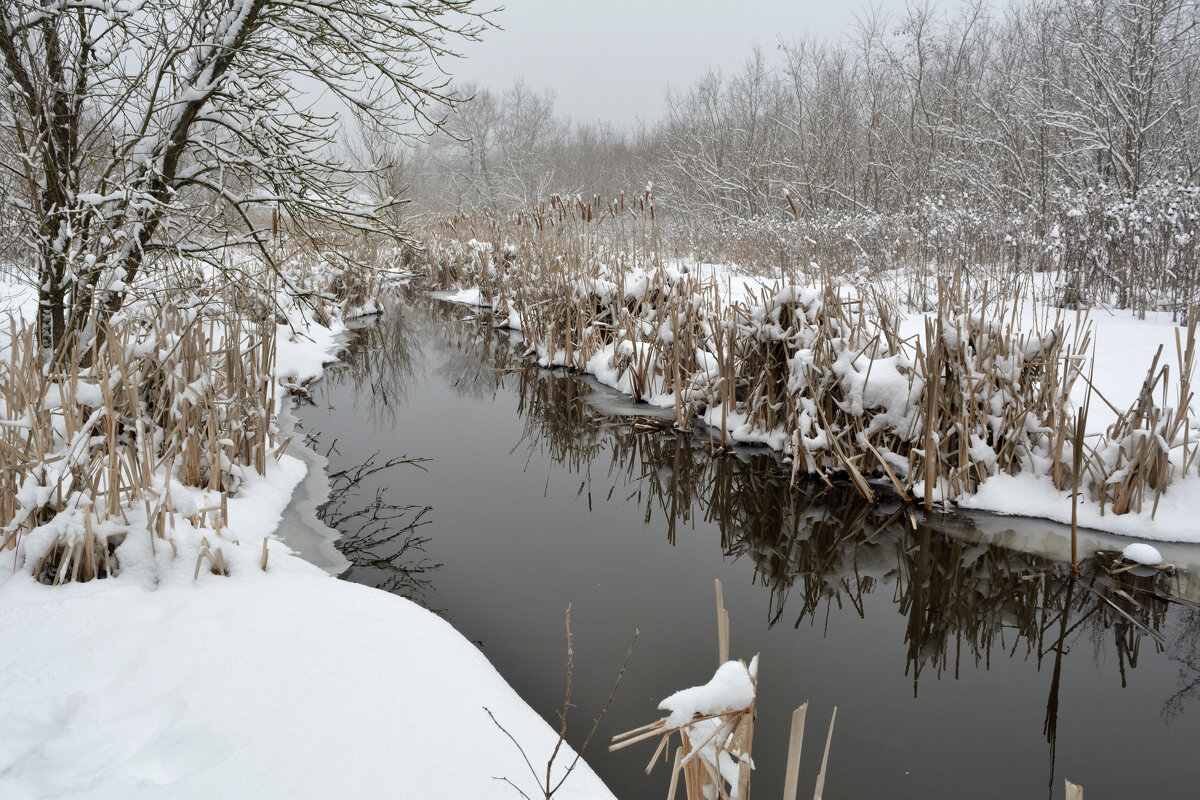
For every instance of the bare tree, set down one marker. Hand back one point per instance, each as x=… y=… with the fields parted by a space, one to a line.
x=142 y=129
x=1125 y=59
x=463 y=153
x=955 y=109
x=497 y=149
x=528 y=129
x=386 y=164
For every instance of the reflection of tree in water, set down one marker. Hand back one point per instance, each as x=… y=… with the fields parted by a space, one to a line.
x=383 y=357
x=382 y=538
x=1185 y=651
x=379 y=538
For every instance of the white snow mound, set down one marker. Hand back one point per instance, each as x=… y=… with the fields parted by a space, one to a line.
x=730 y=689
x=1141 y=553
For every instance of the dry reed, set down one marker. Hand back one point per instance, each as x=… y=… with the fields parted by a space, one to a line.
x=822 y=371
x=714 y=751
x=85 y=452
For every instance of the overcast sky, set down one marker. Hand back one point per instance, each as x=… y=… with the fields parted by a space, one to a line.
x=613 y=59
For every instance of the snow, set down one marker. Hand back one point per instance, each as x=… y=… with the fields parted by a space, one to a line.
x=16 y=300
x=1029 y=496
x=1140 y=553
x=369 y=308
x=287 y=683
x=469 y=297
x=741 y=430
x=168 y=682
x=303 y=347
x=1125 y=348
x=730 y=689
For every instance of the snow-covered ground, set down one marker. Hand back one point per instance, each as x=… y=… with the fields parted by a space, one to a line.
x=287 y=684
x=278 y=683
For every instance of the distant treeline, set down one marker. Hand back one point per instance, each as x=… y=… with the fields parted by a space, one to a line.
x=1011 y=108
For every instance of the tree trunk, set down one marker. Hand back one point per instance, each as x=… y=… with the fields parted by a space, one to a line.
x=52 y=316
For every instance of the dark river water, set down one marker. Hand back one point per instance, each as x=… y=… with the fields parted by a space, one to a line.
x=959 y=668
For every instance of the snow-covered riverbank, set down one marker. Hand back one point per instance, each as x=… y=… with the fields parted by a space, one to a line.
x=288 y=683
x=633 y=345
x=170 y=681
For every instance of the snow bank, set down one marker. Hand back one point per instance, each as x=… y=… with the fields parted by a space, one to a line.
x=303 y=347
x=467 y=297
x=1027 y=495
x=288 y=683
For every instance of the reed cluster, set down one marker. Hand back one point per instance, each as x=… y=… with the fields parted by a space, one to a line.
x=98 y=444
x=824 y=371
x=1152 y=442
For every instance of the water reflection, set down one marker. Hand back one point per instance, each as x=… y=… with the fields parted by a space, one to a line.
x=383 y=360
x=816 y=545
x=380 y=537
x=816 y=548
x=1184 y=650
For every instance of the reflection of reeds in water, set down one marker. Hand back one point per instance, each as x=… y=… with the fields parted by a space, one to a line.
x=1184 y=650
x=965 y=601
x=556 y=414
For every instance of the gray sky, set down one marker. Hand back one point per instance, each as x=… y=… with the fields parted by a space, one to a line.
x=613 y=59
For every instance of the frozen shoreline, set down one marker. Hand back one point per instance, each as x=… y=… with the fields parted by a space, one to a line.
x=300 y=528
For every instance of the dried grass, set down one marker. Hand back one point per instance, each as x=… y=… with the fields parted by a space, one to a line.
x=714 y=751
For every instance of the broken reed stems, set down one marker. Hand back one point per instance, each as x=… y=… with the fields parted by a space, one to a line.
x=822 y=370
x=712 y=745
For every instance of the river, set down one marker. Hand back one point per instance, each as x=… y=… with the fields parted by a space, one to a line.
x=961 y=657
